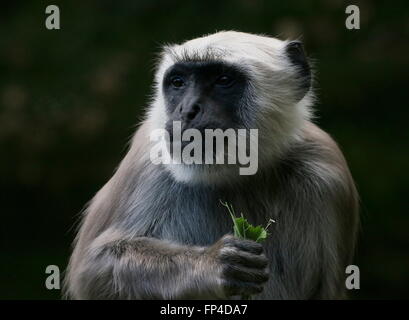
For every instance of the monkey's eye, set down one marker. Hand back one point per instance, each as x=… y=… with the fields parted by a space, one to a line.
x=177 y=82
x=224 y=81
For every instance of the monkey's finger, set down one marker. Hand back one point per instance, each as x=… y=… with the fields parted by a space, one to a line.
x=240 y=288
x=245 y=259
x=245 y=274
x=243 y=244
x=248 y=245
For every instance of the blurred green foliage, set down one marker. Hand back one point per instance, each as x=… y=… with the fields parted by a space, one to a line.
x=70 y=99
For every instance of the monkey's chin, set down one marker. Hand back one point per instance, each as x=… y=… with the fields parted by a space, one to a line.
x=215 y=174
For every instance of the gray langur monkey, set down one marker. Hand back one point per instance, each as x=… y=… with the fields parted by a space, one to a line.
x=159 y=231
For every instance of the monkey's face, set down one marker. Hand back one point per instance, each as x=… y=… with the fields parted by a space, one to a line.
x=204 y=95
x=233 y=81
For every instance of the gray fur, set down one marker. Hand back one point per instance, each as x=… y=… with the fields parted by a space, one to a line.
x=146 y=235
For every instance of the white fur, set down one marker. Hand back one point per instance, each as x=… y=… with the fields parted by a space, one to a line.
x=278 y=115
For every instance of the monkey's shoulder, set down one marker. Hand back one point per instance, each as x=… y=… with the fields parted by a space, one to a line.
x=316 y=160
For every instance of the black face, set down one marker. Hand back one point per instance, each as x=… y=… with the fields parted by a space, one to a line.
x=204 y=95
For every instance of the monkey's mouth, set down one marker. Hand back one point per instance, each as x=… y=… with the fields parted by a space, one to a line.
x=200 y=151
x=193 y=149
x=204 y=144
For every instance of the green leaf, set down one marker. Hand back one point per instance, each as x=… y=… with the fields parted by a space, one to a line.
x=243 y=229
x=257 y=234
x=240 y=227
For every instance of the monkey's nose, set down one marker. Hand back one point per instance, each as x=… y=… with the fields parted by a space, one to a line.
x=191 y=112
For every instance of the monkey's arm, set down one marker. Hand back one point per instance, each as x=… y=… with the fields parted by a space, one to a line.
x=114 y=267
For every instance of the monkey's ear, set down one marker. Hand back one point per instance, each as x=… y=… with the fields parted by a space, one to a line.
x=296 y=54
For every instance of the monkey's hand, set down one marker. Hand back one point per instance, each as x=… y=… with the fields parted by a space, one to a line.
x=241 y=264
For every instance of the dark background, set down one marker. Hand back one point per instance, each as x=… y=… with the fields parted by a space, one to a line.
x=70 y=99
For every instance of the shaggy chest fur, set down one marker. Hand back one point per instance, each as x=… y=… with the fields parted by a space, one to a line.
x=193 y=214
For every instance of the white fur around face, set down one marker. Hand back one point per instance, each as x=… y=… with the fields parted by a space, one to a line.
x=277 y=114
